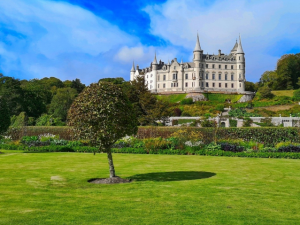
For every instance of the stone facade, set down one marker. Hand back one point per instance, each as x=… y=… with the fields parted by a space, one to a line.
x=207 y=73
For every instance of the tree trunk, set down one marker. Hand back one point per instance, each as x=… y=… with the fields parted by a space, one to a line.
x=111 y=164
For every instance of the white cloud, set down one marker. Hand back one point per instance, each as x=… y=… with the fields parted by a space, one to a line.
x=45 y=38
x=262 y=25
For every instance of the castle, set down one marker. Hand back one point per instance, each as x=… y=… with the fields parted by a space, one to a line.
x=207 y=73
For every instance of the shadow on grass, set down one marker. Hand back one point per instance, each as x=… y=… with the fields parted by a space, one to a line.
x=172 y=176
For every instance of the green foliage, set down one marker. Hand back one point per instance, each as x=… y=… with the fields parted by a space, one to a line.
x=103 y=114
x=232 y=123
x=296 y=95
x=240 y=112
x=247 y=122
x=221 y=98
x=182 y=121
x=186 y=101
x=265 y=92
x=208 y=123
x=184 y=113
x=61 y=102
x=49 y=120
x=250 y=86
x=117 y=80
x=20 y=120
x=4 y=115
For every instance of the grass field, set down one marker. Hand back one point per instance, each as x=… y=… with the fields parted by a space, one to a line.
x=288 y=93
x=174 y=98
x=52 y=188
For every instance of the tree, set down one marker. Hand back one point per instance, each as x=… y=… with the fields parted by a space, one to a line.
x=296 y=95
x=117 y=80
x=4 y=115
x=269 y=78
x=265 y=92
x=61 y=102
x=77 y=85
x=102 y=114
x=250 y=86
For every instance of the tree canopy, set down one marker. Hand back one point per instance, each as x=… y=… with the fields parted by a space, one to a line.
x=102 y=114
x=4 y=115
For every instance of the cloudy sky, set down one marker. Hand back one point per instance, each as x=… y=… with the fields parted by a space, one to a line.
x=93 y=39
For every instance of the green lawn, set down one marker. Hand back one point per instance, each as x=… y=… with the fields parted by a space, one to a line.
x=52 y=188
x=288 y=93
x=174 y=98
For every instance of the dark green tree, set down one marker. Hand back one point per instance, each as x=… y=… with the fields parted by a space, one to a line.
x=117 y=80
x=4 y=115
x=265 y=92
x=76 y=84
x=61 y=102
x=102 y=114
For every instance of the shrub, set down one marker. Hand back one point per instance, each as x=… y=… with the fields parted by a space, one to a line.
x=208 y=123
x=177 y=112
x=265 y=92
x=247 y=122
x=186 y=101
x=296 y=95
x=232 y=123
x=185 y=114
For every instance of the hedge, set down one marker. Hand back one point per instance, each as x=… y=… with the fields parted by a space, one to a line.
x=270 y=136
x=191 y=151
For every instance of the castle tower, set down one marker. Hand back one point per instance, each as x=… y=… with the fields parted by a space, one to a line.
x=240 y=59
x=132 y=71
x=154 y=72
x=197 y=61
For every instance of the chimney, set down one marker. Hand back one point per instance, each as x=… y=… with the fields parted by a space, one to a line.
x=219 y=52
x=137 y=67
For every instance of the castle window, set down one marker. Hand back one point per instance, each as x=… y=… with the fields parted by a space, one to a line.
x=202 y=84
x=147 y=76
x=225 y=76
x=201 y=65
x=213 y=76
x=213 y=84
x=220 y=85
x=231 y=76
x=225 y=67
x=232 y=67
x=206 y=76
x=158 y=86
x=240 y=84
x=164 y=77
x=158 y=77
x=226 y=85
x=239 y=57
x=164 y=85
x=174 y=67
x=239 y=66
x=171 y=84
x=150 y=86
x=219 y=76
x=207 y=84
x=232 y=85
x=174 y=76
x=186 y=84
x=186 y=76
x=240 y=76
x=213 y=66
x=206 y=65
x=219 y=66
x=151 y=75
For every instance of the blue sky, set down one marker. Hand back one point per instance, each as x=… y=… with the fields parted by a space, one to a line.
x=93 y=39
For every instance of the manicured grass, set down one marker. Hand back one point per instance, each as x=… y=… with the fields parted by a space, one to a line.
x=175 y=98
x=52 y=188
x=181 y=121
x=220 y=98
x=288 y=93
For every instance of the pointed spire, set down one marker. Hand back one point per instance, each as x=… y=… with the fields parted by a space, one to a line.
x=132 y=68
x=240 y=48
x=154 y=61
x=181 y=61
x=197 y=47
x=168 y=62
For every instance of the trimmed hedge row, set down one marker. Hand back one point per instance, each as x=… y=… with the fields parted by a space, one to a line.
x=269 y=136
x=190 y=151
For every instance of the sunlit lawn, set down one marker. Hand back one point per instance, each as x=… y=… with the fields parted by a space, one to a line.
x=52 y=188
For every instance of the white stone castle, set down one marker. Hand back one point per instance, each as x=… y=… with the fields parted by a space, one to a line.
x=207 y=73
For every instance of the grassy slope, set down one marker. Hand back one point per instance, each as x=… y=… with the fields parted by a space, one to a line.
x=51 y=188
x=172 y=98
x=222 y=97
x=288 y=93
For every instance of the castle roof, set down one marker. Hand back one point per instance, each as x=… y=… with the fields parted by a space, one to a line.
x=154 y=61
x=240 y=48
x=197 y=47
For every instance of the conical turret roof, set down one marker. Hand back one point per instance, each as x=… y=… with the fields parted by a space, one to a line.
x=154 y=61
x=132 y=68
x=197 y=47
x=240 y=47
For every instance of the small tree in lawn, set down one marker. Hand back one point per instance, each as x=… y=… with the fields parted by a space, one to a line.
x=102 y=114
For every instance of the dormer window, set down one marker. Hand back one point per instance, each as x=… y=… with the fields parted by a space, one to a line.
x=174 y=67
